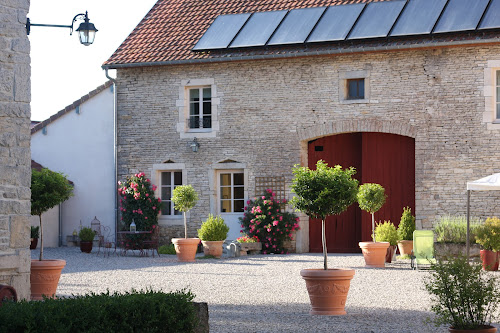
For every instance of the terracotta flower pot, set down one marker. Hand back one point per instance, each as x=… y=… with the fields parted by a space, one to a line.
x=390 y=253
x=374 y=253
x=327 y=290
x=185 y=248
x=44 y=277
x=34 y=243
x=212 y=248
x=490 y=260
x=86 y=246
x=405 y=247
x=484 y=329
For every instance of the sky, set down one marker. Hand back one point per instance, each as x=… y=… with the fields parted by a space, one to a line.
x=62 y=69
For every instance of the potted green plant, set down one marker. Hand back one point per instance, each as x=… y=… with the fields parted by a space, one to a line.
x=464 y=297
x=35 y=233
x=320 y=193
x=371 y=197
x=185 y=198
x=48 y=189
x=405 y=232
x=386 y=232
x=213 y=233
x=488 y=236
x=86 y=236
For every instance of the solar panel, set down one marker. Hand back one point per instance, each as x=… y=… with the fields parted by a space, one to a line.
x=296 y=26
x=336 y=23
x=418 y=17
x=221 y=32
x=258 y=29
x=461 y=15
x=377 y=19
x=492 y=17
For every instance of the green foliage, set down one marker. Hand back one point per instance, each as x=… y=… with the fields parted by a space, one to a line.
x=488 y=235
x=463 y=295
x=144 y=311
x=406 y=225
x=213 y=229
x=184 y=198
x=324 y=191
x=371 y=197
x=453 y=229
x=167 y=249
x=35 y=232
x=48 y=189
x=86 y=234
x=386 y=232
x=138 y=202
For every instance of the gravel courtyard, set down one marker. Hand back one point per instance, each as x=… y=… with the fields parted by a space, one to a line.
x=260 y=293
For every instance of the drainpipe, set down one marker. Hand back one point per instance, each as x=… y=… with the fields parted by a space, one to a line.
x=115 y=148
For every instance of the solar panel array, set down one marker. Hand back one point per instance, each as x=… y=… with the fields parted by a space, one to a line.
x=350 y=22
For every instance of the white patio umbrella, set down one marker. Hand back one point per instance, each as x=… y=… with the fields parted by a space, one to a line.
x=489 y=183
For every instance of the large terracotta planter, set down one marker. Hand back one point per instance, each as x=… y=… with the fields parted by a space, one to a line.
x=485 y=329
x=327 y=290
x=44 y=277
x=374 y=253
x=86 y=246
x=212 y=248
x=405 y=247
x=390 y=253
x=185 y=248
x=490 y=260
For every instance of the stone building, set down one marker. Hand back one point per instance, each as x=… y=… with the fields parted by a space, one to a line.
x=408 y=94
x=15 y=172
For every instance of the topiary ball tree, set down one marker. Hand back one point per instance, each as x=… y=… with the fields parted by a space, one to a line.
x=184 y=198
x=371 y=197
x=323 y=192
x=48 y=189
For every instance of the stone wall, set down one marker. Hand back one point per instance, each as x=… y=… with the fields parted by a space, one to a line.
x=269 y=110
x=15 y=172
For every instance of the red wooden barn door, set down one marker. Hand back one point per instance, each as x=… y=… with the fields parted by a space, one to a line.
x=386 y=159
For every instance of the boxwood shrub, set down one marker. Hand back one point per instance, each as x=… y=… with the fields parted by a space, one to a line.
x=135 y=311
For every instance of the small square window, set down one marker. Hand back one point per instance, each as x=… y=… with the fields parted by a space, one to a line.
x=200 y=108
x=355 y=89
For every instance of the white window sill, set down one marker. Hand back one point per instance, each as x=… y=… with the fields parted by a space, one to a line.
x=199 y=130
x=171 y=220
x=354 y=101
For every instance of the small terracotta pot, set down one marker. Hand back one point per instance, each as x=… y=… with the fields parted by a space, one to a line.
x=327 y=290
x=44 y=277
x=34 y=243
x=484 y=329
x=86 y=246
x=185 y=248
x=405 y=247
x=212 y=248
x=390 y=253
x=490 y=260
x=374 y=253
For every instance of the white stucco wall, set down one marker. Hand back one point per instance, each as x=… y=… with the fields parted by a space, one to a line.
x=50 y=221
x=81 y=147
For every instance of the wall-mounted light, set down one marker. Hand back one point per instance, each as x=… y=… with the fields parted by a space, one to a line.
x=86 y=30
x=194 y=145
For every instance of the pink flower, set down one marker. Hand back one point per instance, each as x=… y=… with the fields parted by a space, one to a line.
x=145 y=217
x=147 y=195
x=268 y=229
x=154 y=187
x=263 y=197
x=159 y=200
x=154 y=207
x=248 y=202
x=275 y=223
x=147 y=180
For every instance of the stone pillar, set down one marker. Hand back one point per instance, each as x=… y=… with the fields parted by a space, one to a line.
x=15 y=166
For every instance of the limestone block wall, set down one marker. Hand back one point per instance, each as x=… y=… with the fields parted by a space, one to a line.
x=269 y=110
x=15 y=172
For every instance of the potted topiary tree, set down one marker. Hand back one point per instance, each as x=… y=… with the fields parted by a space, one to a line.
x=185 y=198
x=35 y=234
x=320 y=193
x=464 y=297
x=371 y=197
x=213 y=233
x=488 y=236
x=48 y=189
x=386 y=232
x=405 y=232
x=86 y=236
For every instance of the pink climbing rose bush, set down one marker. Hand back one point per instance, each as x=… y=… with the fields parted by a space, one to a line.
x=265 y=220
x=138 y=202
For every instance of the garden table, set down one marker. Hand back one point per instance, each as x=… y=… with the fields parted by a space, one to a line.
x=133 y=240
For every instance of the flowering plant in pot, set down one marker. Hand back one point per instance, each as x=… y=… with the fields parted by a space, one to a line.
x=48 y=189
x=488 y=236
x=464 y=297
x=371 y=197
x=185 y=198
x=386 y=232
x=405 y=232
x=213 y=233
x=86 y=236
x=322 y=192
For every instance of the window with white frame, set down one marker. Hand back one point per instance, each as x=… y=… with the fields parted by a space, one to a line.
x=231 y=192
x=497 y=94
x=200 y=107
x=169 y=180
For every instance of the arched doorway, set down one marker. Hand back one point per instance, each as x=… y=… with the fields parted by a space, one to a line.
x=386 y=159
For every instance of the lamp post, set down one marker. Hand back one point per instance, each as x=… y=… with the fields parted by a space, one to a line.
x=86 y=30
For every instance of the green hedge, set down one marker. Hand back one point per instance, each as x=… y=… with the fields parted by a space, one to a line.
x=136 y=311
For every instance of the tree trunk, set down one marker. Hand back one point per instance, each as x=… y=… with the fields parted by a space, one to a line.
x=185 y=226
x=373 y=227
x=323 y=241
x=41 y=237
